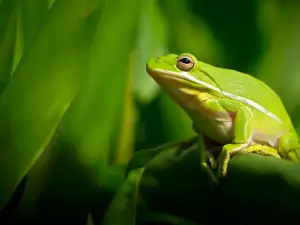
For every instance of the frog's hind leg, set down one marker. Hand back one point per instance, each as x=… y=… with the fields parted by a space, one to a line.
x=262 y=150
x=257 y=149
x=289 y=147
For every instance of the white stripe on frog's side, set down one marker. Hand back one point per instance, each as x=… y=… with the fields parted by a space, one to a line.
x=185 y=76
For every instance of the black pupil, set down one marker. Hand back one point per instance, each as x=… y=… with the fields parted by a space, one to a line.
x=185 y=60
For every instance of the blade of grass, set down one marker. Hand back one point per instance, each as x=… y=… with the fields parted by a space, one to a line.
x=125 y=203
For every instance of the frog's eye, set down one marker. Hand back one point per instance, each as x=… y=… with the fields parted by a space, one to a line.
x=185 y=63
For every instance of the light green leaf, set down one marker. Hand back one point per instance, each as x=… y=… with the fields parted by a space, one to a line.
x=189 y=32
x=152 y=41
x=175 y=120
x=86 y=161
x=279 y=66
x=41 y=90
x=94 y=119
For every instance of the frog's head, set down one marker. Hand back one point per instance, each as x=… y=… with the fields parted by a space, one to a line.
x=182 y=76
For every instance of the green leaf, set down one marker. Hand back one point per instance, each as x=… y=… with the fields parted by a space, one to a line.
x=8 y=26
x=200 y=40
x=6 y=9
x=129 y=209
x=152 y=41
x=96 y=109
x=175 y=121
x=143 y=157
x=173 y=180
x=89 y=142
x=89 y=220
x=41 y=90
x=176 y=184
x=261 y=185
x=125 y=129
x=35 y=183
x=152 y=217
x=33 y=14
x=279 y=65
x=85 y=150
x=19 y=40
x=125 y=202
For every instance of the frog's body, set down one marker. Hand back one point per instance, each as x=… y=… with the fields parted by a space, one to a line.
x=270 y=121
x=232 y=108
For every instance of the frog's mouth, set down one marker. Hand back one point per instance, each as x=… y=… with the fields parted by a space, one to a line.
x=183 y=76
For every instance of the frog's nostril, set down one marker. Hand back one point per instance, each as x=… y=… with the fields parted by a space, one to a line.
x=158 y=58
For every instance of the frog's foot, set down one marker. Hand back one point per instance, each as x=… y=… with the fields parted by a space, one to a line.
x=262 y=150
x=210 y=159
x=233 y=149
x=212 y=163
x=210 y=173
x=228 y=151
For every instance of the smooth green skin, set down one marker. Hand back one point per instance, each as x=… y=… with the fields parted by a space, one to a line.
x=234 y=109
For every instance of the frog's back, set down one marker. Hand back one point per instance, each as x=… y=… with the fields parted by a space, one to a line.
x=251 y=88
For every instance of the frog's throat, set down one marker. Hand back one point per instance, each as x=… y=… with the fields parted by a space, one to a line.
x=186 y=77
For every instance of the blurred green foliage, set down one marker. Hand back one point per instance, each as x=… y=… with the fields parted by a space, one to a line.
x=76 y=101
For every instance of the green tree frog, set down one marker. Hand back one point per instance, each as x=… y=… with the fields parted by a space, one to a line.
x=236 y=110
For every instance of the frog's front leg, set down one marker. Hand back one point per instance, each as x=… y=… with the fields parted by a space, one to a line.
x=242 y=122
x=243 y=127
x=241 y=118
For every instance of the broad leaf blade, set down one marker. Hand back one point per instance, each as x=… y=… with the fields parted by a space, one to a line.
x=85 y=172
x=40 y=91
x=8 y=27
x=152 y=41
x=279 y=66
x=96 y=110
x=33 y=13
